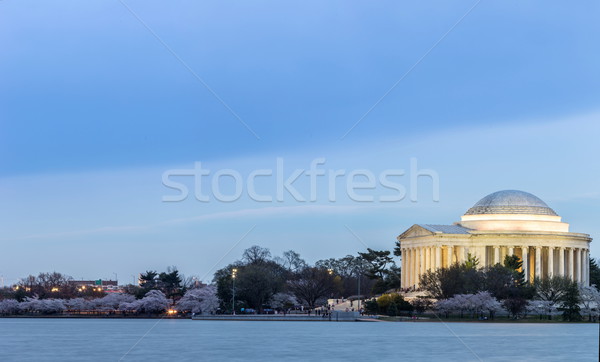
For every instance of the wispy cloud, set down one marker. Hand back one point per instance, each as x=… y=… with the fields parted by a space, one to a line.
x=62 y=234
x=273 y=211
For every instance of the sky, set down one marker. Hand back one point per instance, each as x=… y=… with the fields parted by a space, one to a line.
x=100 y=101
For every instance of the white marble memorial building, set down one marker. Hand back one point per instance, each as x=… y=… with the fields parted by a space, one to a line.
x=503 y=223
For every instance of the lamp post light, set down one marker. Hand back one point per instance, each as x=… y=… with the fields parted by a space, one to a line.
x=233 y=275
x=359 y=273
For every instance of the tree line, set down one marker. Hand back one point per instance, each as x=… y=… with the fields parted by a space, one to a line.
x=467 y=289
x=263 y=282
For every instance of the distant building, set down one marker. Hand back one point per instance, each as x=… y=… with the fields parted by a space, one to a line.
x=105 y=285
x=503 y=223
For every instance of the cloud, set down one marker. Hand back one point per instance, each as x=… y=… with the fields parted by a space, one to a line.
x=285 y=211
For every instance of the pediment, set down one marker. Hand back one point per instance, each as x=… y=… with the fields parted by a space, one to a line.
x=415 y=231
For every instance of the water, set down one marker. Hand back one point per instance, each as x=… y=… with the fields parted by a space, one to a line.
x=187 y=340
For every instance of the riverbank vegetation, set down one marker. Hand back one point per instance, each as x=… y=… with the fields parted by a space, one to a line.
x=368 y=282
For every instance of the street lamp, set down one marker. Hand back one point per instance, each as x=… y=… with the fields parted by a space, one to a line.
x=359 y=273
x=233 y=274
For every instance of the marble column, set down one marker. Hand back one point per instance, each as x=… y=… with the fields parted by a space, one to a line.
x=427 y=259
x=561 y=261
x=415 y=277
x=577 y=265
x=422 y=265
x=481 y=255
x=570 y=266
x=409 y=268
x=538 y=262
x=525 y=259
x=550 y=261
x=587 y=267
x=403 y=268
x=413 y=268
x=580 y=265
x=450 y=255
x=438 y=257
x=511 y=251
x=432 y=258
x=496 y=254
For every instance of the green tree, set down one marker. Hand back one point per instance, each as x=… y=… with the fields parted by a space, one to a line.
x=421 y=304
x=515 y=306
x=170 y=283
x=371 y=307
x=392 y=310
x=257 y=283
x=398 y=249
x=149 y=280
x=515 y=264
x=594 y=273
x=500 y=281
x=222 y=278
x=378 y=261
x=457 y=279
x=258 y=278
x=570 y=303
x=472 y=262
x=380 y=267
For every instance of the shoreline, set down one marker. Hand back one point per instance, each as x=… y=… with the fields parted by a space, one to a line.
x=301 y=318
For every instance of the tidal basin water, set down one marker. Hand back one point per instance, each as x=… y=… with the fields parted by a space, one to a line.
x=187 y=340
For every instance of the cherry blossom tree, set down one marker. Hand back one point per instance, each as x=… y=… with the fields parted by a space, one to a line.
x=29 y=305
x=542 y=308
x=590 y=300
x=283 y=301
x=43 y=306
x=199 y=301
x=111 y=301
x=9 y=306
x=77 y=304
x=476 y=304
x=154 y=301
x=134 y=306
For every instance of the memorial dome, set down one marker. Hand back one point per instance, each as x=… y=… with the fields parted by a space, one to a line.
x=511 y=202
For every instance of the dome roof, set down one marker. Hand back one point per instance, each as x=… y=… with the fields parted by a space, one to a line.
x=511 y=202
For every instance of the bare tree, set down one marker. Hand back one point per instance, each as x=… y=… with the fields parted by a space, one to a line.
x=291 y=261
x=312 y=284
x=256 y=255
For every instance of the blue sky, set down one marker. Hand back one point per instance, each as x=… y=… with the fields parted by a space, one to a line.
x=94 y=109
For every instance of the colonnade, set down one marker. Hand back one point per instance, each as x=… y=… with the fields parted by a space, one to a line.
x=538 y=261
